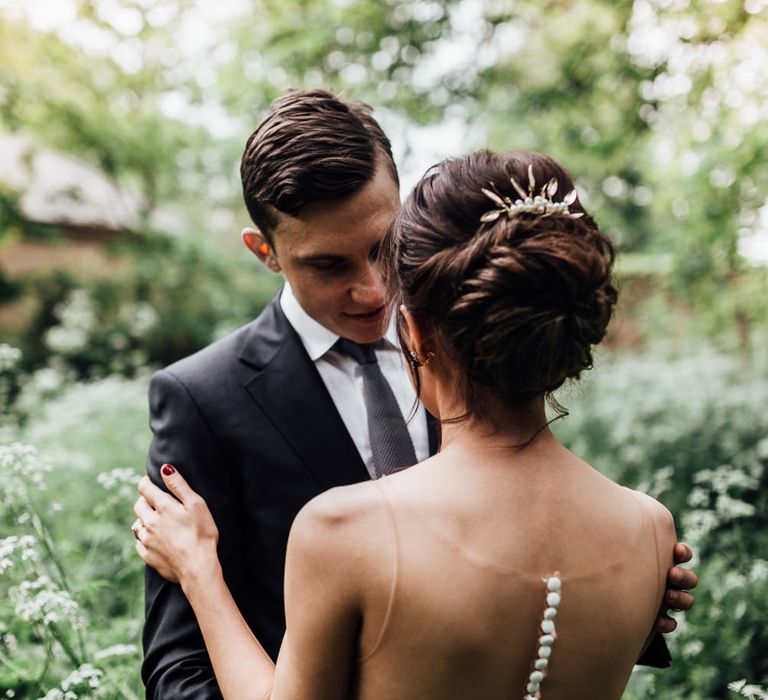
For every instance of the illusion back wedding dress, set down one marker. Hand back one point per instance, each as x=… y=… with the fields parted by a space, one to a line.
x=555 y=600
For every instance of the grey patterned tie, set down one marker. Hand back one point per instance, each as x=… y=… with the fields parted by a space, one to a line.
x=391 y=442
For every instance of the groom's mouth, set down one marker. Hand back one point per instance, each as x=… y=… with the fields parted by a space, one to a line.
x=371 y=317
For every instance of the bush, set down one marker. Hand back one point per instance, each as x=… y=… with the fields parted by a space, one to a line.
x=173 y=298
x=70 y=584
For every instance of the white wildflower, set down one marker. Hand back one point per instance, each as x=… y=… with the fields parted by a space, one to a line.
x=47 y=381
x=25 y=547
x=82 y=680
x=116 y=478
x=53 y=694
x=729 y=508
x=692 y=648
x=10 y=642
x=21 y=470
x=116 y=651
x=759 y=571
x=698 y=524
x=7 y=549
x=140 y=317
x=86 y=675
x=698 y=497
x=725 y=478
x=9 y=357
x=77 y=318
x=62 y=339
x=755 y=692
x=42 y=601
x=42 y=385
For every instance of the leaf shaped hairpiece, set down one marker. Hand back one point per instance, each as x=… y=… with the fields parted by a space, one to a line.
x=540 y=204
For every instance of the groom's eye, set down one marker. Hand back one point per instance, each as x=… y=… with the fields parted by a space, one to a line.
x=330 y=266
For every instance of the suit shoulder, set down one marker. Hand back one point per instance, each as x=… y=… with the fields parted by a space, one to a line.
x=219 y=362
x=220 y=350
x=212 y=371
x=254 y=342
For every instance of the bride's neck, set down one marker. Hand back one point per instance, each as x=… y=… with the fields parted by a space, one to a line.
x=500 y=428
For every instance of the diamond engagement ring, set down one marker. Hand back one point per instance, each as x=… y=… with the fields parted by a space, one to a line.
x=137 y=524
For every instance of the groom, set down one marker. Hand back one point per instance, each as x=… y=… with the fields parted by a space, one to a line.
x=287 y=407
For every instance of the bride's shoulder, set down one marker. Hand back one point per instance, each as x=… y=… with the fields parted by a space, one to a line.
x=662 y=517
x=339 y=516
x=337 y=532
x=341 y=506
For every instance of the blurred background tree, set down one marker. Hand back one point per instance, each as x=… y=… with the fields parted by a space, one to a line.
x=656 y=107
x=659 y=109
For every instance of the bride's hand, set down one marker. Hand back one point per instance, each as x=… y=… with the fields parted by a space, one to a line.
x=175 y=536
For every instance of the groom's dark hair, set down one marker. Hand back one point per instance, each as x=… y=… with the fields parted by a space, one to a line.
x=310 y=146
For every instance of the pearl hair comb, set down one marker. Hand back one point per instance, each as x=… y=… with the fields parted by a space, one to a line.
x=540 y=204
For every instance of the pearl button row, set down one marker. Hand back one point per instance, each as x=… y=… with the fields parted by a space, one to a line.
x=546 y=640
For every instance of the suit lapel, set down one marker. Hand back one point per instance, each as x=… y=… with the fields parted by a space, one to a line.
x=291 y=393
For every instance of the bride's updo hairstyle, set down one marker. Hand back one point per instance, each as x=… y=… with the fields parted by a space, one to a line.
x=515 y=303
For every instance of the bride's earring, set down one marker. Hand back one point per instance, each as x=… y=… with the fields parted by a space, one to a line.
x=417 y=361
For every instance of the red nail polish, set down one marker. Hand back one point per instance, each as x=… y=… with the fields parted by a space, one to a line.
x=168 y=470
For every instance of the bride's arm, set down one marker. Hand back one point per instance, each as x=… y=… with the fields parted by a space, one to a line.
x=322 y=595
x=242 y=667
x=670 y=554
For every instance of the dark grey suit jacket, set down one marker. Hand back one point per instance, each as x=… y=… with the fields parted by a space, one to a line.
x=249 y=423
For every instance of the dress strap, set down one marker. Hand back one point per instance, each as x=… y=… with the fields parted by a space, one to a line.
x=648 y=515
x=656 y=548
x=382 y=489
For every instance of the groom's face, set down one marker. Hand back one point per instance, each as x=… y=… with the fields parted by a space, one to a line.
x=328 y=254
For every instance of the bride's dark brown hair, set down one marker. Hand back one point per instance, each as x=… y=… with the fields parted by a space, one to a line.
x=515 y=304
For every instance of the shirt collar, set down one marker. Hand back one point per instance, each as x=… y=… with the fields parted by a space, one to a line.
x=316 y=338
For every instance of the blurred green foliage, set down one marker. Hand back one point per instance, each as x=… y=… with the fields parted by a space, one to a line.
x=70 y=604
x=654 y=106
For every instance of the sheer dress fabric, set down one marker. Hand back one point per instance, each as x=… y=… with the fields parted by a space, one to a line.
x=458 y=624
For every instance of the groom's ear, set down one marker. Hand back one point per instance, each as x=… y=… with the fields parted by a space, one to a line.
x=257 y=243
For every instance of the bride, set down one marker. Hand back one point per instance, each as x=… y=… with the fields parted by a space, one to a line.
x=502 y=567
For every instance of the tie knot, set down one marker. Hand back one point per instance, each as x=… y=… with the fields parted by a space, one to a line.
x=362 y=353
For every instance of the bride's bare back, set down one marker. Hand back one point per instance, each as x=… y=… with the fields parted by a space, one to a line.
x=453 y=555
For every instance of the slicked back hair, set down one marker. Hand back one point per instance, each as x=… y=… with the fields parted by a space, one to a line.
x=311 y=146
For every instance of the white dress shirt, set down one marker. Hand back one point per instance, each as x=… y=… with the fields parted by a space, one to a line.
x=344 y=379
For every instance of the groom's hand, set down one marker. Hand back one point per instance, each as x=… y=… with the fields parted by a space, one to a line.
x=679 y=582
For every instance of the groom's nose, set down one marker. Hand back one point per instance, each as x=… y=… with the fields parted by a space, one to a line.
x=368 y=289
